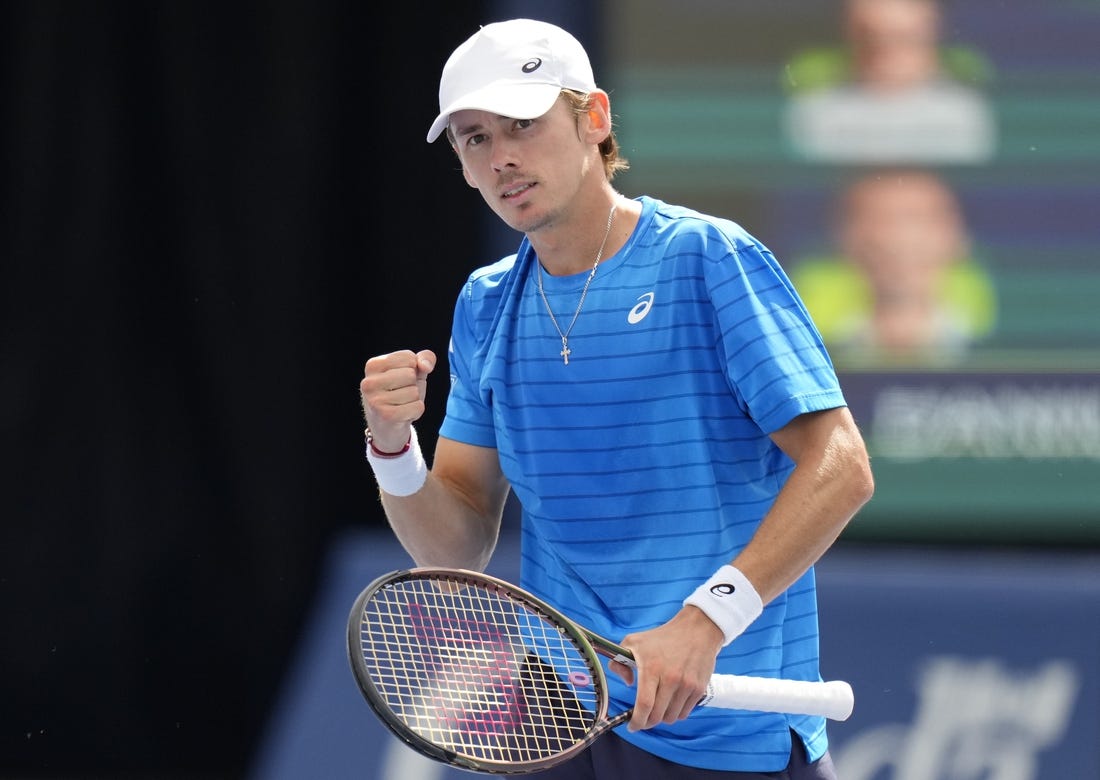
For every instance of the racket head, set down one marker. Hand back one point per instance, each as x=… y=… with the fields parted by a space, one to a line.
x=474 y=672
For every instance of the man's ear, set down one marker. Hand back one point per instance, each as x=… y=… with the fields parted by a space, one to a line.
x=598 y=125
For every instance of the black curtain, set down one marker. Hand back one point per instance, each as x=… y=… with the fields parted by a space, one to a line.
x=212 y=214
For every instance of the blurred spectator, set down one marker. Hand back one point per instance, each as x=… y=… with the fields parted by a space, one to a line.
x=905 y=288
x=892 y=94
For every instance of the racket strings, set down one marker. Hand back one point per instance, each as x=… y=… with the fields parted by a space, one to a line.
x=472 y=671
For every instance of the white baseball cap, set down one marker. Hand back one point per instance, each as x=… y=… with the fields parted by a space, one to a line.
x=515 y=69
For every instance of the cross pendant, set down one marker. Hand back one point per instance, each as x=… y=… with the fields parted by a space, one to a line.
x=565 y=350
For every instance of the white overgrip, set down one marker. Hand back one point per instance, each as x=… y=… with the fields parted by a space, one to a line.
x=834 y=699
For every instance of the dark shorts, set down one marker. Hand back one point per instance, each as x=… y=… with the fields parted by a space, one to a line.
x=612 y=758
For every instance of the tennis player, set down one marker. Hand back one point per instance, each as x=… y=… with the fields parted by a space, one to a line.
x=648 y=383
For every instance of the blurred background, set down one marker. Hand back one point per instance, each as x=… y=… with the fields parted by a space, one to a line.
x=211 y=214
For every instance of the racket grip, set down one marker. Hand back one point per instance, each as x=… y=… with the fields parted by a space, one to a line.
x=833 y=699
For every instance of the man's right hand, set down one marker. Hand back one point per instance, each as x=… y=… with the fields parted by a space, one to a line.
x=393 y=390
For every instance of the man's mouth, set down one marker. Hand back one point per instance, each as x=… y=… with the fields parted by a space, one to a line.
x=514 y=191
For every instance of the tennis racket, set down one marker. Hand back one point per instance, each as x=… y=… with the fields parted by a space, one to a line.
x=477 y=673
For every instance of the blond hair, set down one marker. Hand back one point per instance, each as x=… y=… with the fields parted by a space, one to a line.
x=580 y=103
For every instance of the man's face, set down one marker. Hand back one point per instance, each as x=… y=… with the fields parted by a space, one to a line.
x=894 y=42
x=527 y=170
x=903 y=232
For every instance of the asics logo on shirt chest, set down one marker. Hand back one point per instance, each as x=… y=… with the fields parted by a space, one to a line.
x=641 y=309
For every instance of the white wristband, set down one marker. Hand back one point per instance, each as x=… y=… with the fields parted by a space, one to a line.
x=728 y=599
x=402 y=475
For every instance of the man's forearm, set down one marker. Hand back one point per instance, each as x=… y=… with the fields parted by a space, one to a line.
x=828 y=486
x=438 y=529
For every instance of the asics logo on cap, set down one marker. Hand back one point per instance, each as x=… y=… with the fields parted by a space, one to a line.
x=532 y=65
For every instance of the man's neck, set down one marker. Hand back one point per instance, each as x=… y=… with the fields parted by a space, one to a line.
x=569 y=248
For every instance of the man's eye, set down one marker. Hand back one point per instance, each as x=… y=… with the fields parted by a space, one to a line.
x=524 y=123
x=474 y=140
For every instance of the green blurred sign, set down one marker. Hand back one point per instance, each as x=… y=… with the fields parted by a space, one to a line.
x=980 y=456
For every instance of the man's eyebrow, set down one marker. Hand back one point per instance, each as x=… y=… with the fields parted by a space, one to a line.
x=467 y=129
x=478 y=126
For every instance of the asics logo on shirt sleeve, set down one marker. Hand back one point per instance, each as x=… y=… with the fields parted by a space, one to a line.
x=640 y=310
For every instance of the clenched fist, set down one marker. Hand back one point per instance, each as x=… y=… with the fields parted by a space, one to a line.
x=393 y=390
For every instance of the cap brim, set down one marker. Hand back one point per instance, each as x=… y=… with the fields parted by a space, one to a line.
x=519 y=101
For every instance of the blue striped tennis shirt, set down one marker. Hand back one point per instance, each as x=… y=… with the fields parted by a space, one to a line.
x=645 y=463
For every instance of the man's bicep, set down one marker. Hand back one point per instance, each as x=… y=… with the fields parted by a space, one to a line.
x=473 y=475
x=818 y=431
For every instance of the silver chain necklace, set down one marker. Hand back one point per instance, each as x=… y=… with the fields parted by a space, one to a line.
x=565 y=351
